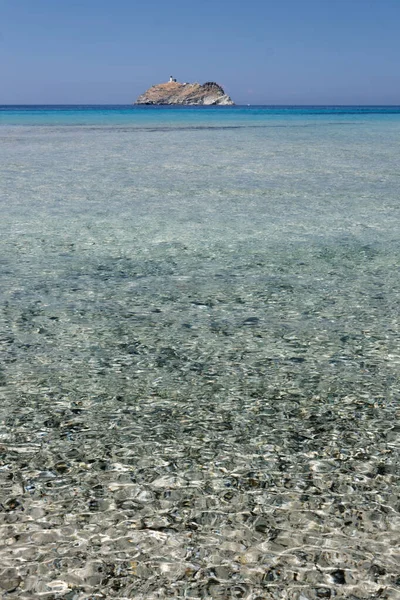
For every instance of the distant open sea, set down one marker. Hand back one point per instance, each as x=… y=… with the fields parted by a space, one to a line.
x=175 y=116
x=199 y=352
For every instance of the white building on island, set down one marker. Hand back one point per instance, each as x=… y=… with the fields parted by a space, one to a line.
x=171 y=79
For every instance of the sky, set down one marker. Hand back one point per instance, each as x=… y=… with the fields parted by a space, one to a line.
x=260 y=51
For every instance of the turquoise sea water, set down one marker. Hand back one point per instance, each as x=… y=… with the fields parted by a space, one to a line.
x=199 y=352
x=142 y=116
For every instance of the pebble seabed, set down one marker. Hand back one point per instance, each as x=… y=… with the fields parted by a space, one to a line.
x=200 y=364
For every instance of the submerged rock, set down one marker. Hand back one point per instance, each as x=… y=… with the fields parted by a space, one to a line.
x=173 y=92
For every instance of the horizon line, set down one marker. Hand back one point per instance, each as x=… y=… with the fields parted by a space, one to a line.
x=198 y=105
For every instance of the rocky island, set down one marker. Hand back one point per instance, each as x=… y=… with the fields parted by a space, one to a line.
x=186 y=94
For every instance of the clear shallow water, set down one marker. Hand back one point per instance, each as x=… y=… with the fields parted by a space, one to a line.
x=200 y=364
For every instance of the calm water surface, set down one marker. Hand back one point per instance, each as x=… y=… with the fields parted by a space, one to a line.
x=199 y=338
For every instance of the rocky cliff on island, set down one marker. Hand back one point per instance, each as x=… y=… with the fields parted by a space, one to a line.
x=186 y=94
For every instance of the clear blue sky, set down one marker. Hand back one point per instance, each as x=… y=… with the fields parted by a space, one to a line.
x=261 y=51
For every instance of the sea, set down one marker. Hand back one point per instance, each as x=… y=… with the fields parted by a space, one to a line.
x=200 y=362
